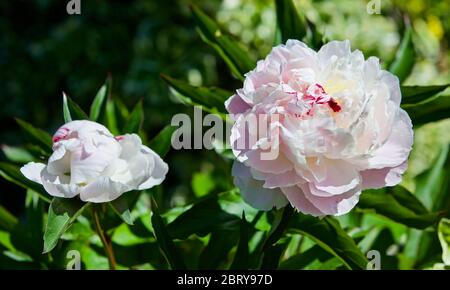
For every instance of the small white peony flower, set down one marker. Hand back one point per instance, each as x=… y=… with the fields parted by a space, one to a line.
x=88 y=160
x=339 y=129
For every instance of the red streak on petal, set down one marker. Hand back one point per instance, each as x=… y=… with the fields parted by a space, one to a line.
x=119 y=138
x=334 y=105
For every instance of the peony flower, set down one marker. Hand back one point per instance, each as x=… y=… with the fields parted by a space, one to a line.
x=89 y=161
x=339 y=129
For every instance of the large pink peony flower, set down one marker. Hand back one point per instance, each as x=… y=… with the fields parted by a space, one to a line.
x=339 y=129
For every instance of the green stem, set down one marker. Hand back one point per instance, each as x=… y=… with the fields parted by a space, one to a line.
x=106 y=241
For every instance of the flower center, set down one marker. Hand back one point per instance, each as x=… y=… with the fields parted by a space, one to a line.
x=313 y=96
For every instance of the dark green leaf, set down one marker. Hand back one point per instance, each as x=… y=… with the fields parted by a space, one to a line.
x=300 y=261
x=162 y=142
x=417 y=94
x=36 y=135
x=210 y=98
x=12 y=173
x=398 y=205
x=289 y=22
x=123 y=205
x=164 y=240
x=201 y=219
x=61 y=214
x=76 y=112
x=433 y=109
x=96 y=106
x=241 y=258
x=280 y=224
x=235 y=57
x=272 y=255
x=329 y=235
x=405 y=57
x=135 y=119
x=7 y=220
x=220 y=244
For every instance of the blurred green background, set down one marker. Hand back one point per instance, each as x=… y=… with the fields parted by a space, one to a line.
x=44 y=51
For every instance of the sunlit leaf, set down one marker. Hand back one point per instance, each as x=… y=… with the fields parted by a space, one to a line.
x=75 y=110
x=210 y=98
x=135 y=119
x=405 y=56
x=399 y=205
x=161 y=144
x=234 y=56
x=61 y=214
x=17 y=154
x=329 y=235
x=444 y=239
x=12 y=173
x=36 y=135
x=289 y=22
x=201 y=219
x=96 y=106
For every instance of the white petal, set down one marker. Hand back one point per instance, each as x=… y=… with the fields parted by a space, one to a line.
x=332 y=205
x=340 y=178
x=103 y=189
x=253 y=192
x=397 y=147
x=378 y=178
x=159 y=171
x=59 y=185
x=297 y=198
x=32 y=171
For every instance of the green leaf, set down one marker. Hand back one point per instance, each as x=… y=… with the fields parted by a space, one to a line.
x=398 y=205
x=123 y=205
x=201 y=219
x=66 y=110
x=76 y=112
x=12 y=173
x=135 y=119
x=280 y=224
x=431 y=185
x=17 y=154
x=210 y=98
x=242 y=255
x=417 y=94
x=405 y=57
x=61 y=214
x=272 y=255
x=220 y=243
x=110 y=116
x=302 y=260
x=433 y=109
x=289 y=22
x=444 y=239
x=234 y=56
x=36 y=135
x=162 y=142
x=164 y=240
x=98 y=102
x=314 y=38
x=329 y=235
x=7 y=220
